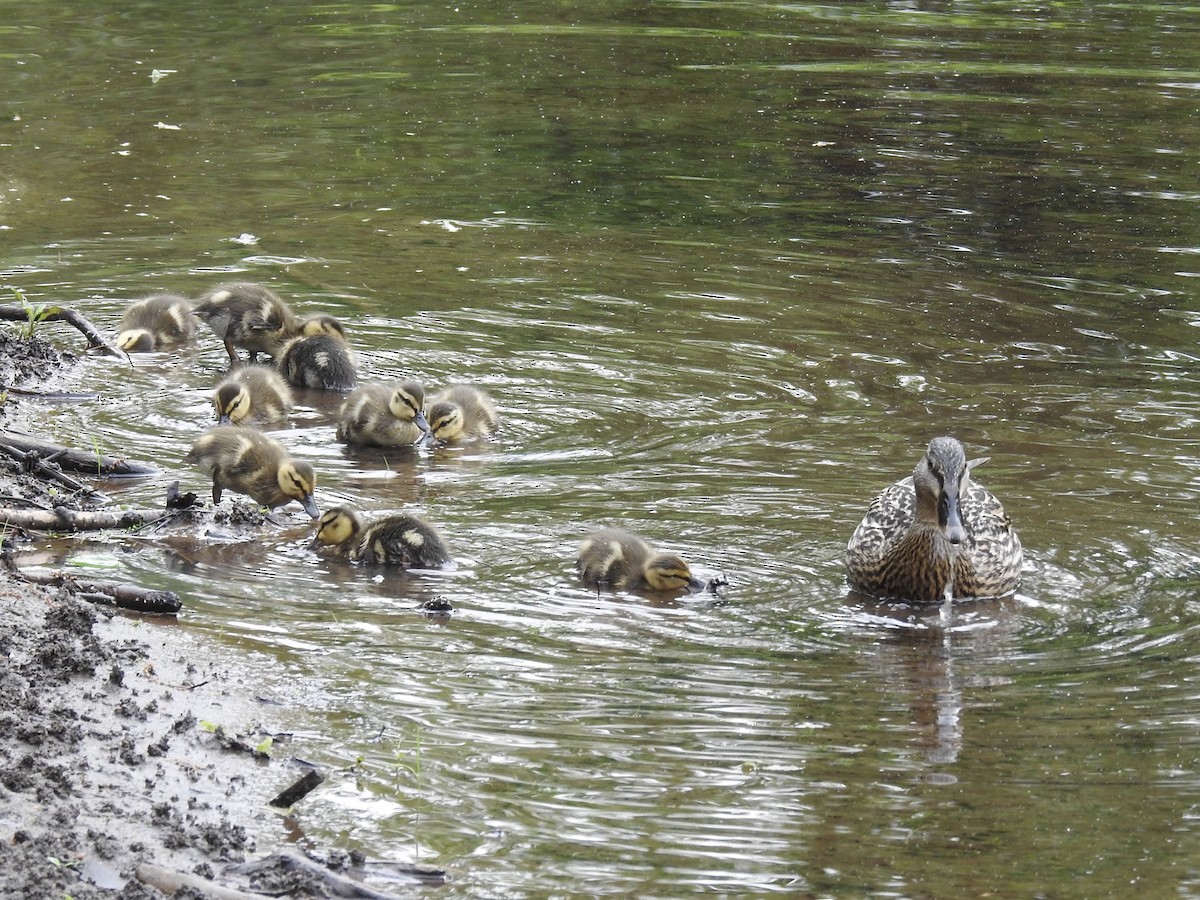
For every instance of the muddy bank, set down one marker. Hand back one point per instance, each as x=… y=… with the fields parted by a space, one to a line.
x=111 y=764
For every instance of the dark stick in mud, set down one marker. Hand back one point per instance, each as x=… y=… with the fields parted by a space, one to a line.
x=17 y=446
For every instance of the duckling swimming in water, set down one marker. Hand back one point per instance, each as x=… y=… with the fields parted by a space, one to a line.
x=461 y=412
x=399 y=540
x=156 y=323
x=380 y=415
x=321 y=361
x=252 y=394
x=613 y=558
x=935 y=534
x=245 y=460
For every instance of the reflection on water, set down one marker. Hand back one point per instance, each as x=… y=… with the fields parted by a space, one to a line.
x=725 y=269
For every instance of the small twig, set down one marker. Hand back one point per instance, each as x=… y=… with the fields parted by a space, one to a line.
x=72 y=317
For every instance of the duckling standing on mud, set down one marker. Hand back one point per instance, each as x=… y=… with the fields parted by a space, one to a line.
x=252 y=394
x=160 y=322
x=380 y=415
x=398 y=540
x=245 y=460
x=461 y=412
x=320 y=361
x=935 y=535
x=613 y=558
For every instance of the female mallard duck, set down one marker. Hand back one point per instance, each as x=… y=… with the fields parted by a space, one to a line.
x=320 y=361
x=935 y=535
x=379 y=415
x=613 y=558
x=245 y=460
x=156 y=323
x=461 y=412
x=252 y=394
x=399 y=540
x=249 y=316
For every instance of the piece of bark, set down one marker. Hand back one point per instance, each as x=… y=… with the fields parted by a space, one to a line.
x=133 y=597
x=82 y=461
x=298 y=790
x=96 y=341
x=62 y=519
x=170 y=882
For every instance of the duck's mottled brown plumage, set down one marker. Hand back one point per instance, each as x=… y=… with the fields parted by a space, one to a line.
x=245 y=460
x=161 y=322
x=252 y=394
x=401 y=540
x=617 y=559
x=934 y=532
x=461 y=412
x=383 y=415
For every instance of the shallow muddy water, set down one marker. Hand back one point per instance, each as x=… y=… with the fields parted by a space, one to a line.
x=725 y=269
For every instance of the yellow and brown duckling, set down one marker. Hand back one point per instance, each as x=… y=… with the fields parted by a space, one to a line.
x=245 y=460
x=247 y=315
x=397 y=540
x=320 y=361
x=935 y=535
x=383 y=415
x=252 y=394
x=615 y=559
x=461 y=412
x=160 y=322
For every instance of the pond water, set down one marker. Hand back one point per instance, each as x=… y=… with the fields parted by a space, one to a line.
x=725 y=268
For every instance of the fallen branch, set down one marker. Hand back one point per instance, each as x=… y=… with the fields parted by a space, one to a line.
x=62 y=519
x=125 y=596
x=289 y=861
x=170 y=883
x=17 y=445
x=96 y=341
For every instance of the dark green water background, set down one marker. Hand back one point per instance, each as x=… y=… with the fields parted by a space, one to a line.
x=725 y=268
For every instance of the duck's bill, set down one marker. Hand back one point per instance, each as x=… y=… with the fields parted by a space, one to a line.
x=310 y=506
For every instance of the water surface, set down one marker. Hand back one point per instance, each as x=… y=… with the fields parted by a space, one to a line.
x=725 y=268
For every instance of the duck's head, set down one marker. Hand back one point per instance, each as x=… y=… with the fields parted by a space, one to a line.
x=667 y=572
x=337 y=526
x=232 y=403
x=940 y=479
x=408 y=403
x=445 y=421
x=297 y=480
x=136 y=340
x=322 y=324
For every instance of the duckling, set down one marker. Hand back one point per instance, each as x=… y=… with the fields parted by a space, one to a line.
x=252 y=394
x=399 y=540
x=321 y=323
x=245 y=460
x=461 y=412
x=614 y=558
x=935 y=535
x=156 y=323
x=320 y=361
x=247 y=315
x=378 y=415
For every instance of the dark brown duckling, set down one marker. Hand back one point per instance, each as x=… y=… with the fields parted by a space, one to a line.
x=321 y=361
x=616 y=559
x=248 y=315
x=398 y=540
